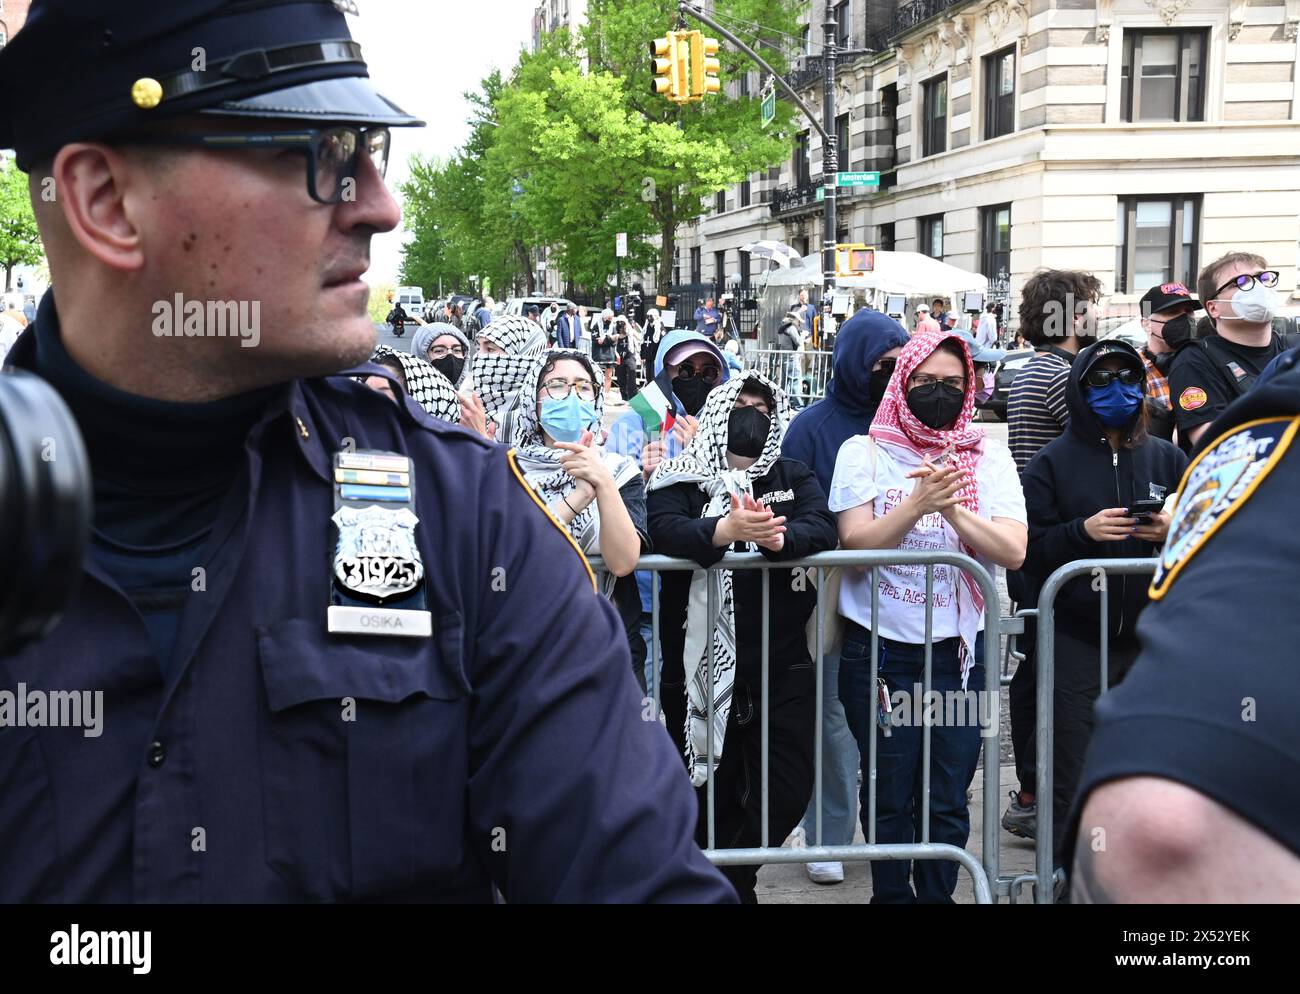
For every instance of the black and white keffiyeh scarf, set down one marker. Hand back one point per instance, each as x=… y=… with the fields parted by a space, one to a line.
x=427 y=387
x=496 y=378
x=541 y=465
x=704 y=463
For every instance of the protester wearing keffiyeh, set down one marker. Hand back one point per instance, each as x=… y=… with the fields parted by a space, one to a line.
x=704 y=463
x=755 y=630
x=427 y=387
x=895 y=424
x=543 y=470
x=496 y=376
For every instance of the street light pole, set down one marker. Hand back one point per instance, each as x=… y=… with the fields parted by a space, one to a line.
x=830 y=165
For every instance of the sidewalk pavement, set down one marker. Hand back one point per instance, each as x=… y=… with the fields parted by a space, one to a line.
x=789 y=884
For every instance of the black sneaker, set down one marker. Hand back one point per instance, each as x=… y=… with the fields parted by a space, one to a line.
x=1020 y=819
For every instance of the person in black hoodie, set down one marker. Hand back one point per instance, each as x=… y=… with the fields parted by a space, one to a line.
x=1078 y=490
x=732 y=490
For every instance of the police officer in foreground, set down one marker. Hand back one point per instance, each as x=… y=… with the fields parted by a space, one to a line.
x=1191 y=788
x=320 y=680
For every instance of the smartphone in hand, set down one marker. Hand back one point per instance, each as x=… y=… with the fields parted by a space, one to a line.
x=1143 y=509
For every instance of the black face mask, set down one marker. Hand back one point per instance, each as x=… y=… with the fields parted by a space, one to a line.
x=450 y=366
x=1177 y=331
x=692 y=393
x=936 y=405
x=879 y=383
x=747 y=429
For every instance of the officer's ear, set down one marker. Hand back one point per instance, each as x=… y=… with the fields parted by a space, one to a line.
x=91 y=184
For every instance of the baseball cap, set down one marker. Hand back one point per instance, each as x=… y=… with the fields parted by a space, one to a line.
x=1166 y=296
x=922 y=308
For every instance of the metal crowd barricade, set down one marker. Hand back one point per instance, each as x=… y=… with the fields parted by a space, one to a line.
x=814 y=370
x=982 y=875
x=1045 y=876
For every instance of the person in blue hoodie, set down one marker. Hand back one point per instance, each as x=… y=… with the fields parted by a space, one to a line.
x=863 y=361
x=1078 y=492
x=696 y=365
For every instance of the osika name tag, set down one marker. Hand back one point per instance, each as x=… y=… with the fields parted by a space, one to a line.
x=376 y=577
x=1215 y=487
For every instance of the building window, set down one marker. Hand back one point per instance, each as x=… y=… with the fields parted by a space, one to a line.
x=744 y=84
x=889 y=118
x=720 y=270
x=677 y=270
x=802 y=160
x=1155 y=242
x=1000 y=93
x=842 y=141
x=886 y=240
x=931 y=236
x=801 y=246
x=746 y=193
x=695 y=265
x=807 y=40
x=1163 y=76
x=843 y=24
x=744 y=271
x=995 y=240
x=934 y=116
x=720 y=202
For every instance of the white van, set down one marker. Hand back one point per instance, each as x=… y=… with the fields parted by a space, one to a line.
x=411 y=298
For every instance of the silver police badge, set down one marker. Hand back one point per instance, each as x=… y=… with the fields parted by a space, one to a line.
x=377 y=556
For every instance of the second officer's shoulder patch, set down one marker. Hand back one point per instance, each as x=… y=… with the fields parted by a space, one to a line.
x=1216 y=486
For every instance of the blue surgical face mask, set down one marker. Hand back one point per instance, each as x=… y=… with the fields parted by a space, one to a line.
x=565 y=420
x=1116 y=403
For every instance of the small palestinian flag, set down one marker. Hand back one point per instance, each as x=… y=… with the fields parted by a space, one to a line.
x=655 y=404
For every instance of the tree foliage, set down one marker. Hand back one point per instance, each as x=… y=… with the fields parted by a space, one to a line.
x=575 y=148
x=20 y=241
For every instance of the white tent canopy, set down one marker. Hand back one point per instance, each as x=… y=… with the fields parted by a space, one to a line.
x=908 y=273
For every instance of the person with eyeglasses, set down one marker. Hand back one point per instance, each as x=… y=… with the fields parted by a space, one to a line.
x=298 y=632
x=866 y=350
x=1082 y=494
x=446 y=348
x=1240 y=296
x=924 y=477
x=596 y=494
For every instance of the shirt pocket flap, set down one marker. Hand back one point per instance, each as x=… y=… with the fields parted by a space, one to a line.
x=302 y=662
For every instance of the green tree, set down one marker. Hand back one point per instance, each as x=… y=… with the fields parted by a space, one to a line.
x=20 y=241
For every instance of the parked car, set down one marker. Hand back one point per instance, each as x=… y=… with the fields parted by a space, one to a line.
x=1003 y=377
x=516 y=305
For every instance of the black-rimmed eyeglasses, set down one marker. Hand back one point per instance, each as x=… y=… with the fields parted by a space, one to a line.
x=333 y=154
x=1245 y=281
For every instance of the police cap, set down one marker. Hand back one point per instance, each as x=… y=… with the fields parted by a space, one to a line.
x=83 y=70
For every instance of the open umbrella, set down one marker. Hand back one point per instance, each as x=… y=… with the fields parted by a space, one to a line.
x=779 y=252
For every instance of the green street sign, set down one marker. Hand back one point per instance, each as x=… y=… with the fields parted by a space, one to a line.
x=821 y=194
x=769 y=108
x=857 y=179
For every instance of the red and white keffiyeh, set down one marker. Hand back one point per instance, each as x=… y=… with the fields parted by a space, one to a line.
x=895 y=424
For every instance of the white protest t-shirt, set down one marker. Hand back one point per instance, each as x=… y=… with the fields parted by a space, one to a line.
x=902 y=588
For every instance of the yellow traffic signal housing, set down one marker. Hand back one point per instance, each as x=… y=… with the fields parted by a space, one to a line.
x=669 y=67
x=705 y=66
x=854 y=259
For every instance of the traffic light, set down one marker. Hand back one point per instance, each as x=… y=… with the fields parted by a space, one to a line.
x=705 y=66
x=668 y=66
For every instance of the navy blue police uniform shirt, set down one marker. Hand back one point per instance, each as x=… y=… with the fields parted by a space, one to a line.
x=509 y=749
x=1212 y=701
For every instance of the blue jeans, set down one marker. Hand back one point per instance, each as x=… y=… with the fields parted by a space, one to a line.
x=839 y=767
x=954 y=755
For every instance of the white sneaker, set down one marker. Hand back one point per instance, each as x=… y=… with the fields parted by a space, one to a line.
x=826 y=873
